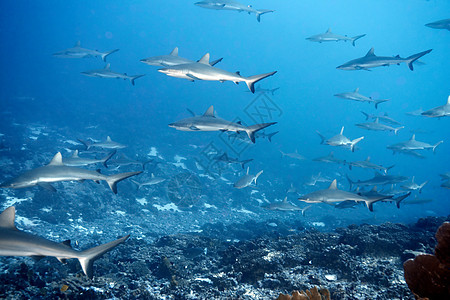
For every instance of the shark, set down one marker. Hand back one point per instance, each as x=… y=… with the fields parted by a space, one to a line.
x=243 y=136
x=202 y=70
x=330 y=158
x=247 y=179
x=370 y=60
x=378 y=179
x=231 y=160
x=171 y=60
x=286 y=206
x=292 y=189
x=153 y=180
x=329 y=36
x=107 y=144
x=374 y=194
x=123 y=160
x=412 y=186
x=209 y=122
x=356 y=96
x=441 y=24
x=417 y=200
x=383 y=118
x=15 y=242
x=340 y=140
x=107 y=73
x=76 y=161
x=333 y=195
x=317 y=178
x=446 y=184
x=412 y=144
x=233 y=6
x=56 y=171
x=294 y=155
x=78 y=52
x=376 y=126
x=415 y=113
x=367 y=164
x=445 y=176
x=438 y=112
x=259 y=89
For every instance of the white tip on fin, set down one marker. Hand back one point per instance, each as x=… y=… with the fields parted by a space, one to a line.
x=342 y=130
x=209 y=112
x=448 y=100
x=333 y=185
x=356 y=90
x=413 y=138
x=107 y=67
x=205 y=59
x=7 y=218
x=108 y=138
x=78 y=44
x=75 y=153
x=56 y=160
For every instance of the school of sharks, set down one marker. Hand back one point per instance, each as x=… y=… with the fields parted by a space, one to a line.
x=375 y=185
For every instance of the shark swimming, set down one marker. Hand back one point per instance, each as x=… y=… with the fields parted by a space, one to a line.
x=233 y=6
x=367 y=164
x=107 y=73
x=231 y=160
x=15 y=242
x=247 y=179
x=383 y=118
x=209 y=122
x=329 y=36
x=412 y=144
x=107 y=144
x=438 y=112
x=202 y=70
x=78 y=52
x=76 y=161
x=412 y=186
x=340 y=140
x=153 y=180
x=171 y=60
x=356 y=96
x=376 y=126
x=56 y=171
x=330 y=158
x=378 y=179
x=441 y=24
x=286 y=206
x=370 y=60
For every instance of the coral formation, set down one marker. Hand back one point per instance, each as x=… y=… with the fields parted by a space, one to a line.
x=311 y=294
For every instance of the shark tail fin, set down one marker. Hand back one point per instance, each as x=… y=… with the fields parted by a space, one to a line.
x=357 y=38
x=369 y=203
x=261 y=12
x=104 y=55
x=272 y=91
x=251 y=130
x=85 y=143
x=214 y=62
x=323 y=139
x=437 y=144
x=257 y=175
x=350 y=182
x=354 y=142
x=365 y=114
x=414 y=57
x=136 y=183
x=133 y=78
x=422 y=185
x=388 y=168
x=108 y=157
x=270 y=135
x=88 y=257
x=397 y=129
x=114 y=179
x=245 y=162
x=401 y=198
x=251 y=80
x=305 y=209
x=380 y=101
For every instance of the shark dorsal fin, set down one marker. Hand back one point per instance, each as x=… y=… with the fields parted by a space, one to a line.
x=75 y=154
x=107 y=67
x=328 y=30
x=153 y=175
x=376 y=120
x=377 y=174
x=333 y=185
x=7 y=218
x=342 y=130
x=248 y=169
x=285 y=200
x=78 y=44
x=108 y=139
x=412 y=180
x=371 y=52
x=56 y=160
x=448 y=100
x=174 y=51
x=374 y=189
x=368 y=158
x=205 y=59
x=413 y=138
x=356 y=90
x=209 y=112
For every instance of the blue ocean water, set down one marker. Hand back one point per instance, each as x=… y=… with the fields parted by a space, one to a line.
x=41 y=90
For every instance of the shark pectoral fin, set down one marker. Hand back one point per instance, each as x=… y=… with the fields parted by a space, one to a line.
x=194 y=128
x=192 y=77
x=47 y=186
x=37 y=257
x=97 y=181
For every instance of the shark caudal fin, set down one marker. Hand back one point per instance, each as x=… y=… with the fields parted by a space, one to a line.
x=214 y=62
x=357 y=38
x=303 y=210
x=350 y=182
x=104 y=55
x=437 y=144
x=270 y=135
x=114 y=179
x=379 y=101
x=322 y=138
x=108 y=157
x=388 y=168
x=354 y=142
x=251 y=130
x=257 y=175
x=251 y=80
x=369 y=203
x=397 y=129
x=85 y=143
x=366 y=114
x=136 y=183
x=261 y=12
x=133 y=78
x=245 y=162
x=421 y=186
x=401 y=198
x=88 y=257
x=414 y=57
